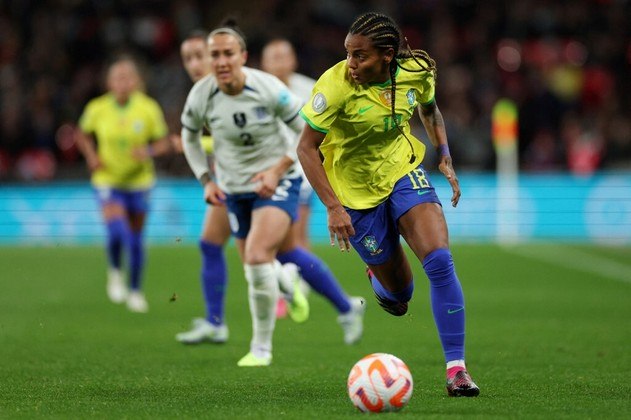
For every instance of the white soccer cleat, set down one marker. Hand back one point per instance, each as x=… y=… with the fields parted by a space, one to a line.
x=136 y=302
x=202 y=331
x=352 y=323
x=116 y=286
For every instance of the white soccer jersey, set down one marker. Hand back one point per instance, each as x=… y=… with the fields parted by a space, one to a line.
x=247 y=128
x=301 y=85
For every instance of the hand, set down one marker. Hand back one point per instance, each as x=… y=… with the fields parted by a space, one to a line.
x=213 y=195
x=141 y=153
x=94 y=163
x=176 y=143
x=268 y=181
x=446 y=168
x=340 y=228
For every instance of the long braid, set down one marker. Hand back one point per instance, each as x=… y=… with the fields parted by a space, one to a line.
x=385 y=34
x=415 y=55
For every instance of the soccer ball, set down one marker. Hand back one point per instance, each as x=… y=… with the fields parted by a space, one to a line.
x=380 y=382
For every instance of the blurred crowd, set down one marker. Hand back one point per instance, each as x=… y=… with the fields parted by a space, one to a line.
x=565 y=64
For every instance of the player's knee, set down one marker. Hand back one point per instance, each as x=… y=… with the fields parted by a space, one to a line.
x=257 y=256
x=438 y=265
x=209 y=248
x=216 y=235
x=117 y=228
x=404 y=296
x=260 y=276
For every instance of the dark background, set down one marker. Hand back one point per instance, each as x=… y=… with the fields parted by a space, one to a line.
x=566 y=64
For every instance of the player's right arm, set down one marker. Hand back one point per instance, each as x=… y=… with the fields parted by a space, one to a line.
x=84 y=138
x=339 y=222
x=320 y=114
x=192 y=124
x=197 y=160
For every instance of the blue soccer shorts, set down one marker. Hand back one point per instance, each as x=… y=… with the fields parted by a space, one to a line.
x=376 y=229
x=134 y=202
x=241 y=206
x=306 y=193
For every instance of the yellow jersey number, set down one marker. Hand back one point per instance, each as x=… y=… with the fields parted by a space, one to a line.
x=417 y=179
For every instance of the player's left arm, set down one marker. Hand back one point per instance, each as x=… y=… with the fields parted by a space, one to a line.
x=155 y=148
x=435 y=126
x=159 y=143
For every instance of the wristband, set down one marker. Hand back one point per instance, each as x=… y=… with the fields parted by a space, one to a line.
x=151 y=151
x=443 y=150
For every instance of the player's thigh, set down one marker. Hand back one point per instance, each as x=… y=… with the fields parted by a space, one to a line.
x=302 y=225
x=424 y=229
x=240 y=245
x=113 y=210
x=137 y=205
x=291 y=240
x=216 y=228
x=270 y=226
x=395 y=274
x=137 y=221
x=295 y=238
x=111 y=202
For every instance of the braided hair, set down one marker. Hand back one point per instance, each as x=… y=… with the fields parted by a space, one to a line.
x=385 y=34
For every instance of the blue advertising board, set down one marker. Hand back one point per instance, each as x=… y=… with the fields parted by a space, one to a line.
x=561 y=207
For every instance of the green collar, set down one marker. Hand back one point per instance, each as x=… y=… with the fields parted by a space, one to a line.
x=387 y=82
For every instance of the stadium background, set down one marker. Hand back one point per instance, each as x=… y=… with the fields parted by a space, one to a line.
x=565 y=64
x=546 y=336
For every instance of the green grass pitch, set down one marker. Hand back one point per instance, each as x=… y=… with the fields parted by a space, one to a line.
x=548 y=336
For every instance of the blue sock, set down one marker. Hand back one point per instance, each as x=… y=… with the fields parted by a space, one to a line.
x=318 y=276
x=447 y=302
x=136 y=260
x=214 y=278
x=116 y=233
x=401 y=296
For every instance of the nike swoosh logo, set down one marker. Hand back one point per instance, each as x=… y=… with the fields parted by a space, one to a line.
x=422 y=192
x=363 y=109
x=453 y=311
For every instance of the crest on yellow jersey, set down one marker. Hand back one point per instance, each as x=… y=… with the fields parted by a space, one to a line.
x=385 y=96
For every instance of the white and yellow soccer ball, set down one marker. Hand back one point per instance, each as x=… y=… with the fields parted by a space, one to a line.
x=380 y=382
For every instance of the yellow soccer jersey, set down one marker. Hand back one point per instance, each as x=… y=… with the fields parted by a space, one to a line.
x=364 y=152
x=118 y=130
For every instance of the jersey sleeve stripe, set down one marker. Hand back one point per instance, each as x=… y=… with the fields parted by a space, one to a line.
x=191 y=129
x=292 y=118
x=429 y=102
x=213 y=93
x=311 y=124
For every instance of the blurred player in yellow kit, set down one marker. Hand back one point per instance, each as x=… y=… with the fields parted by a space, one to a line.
x=129 y=129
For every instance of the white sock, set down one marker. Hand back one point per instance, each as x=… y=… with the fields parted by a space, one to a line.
x=263 y=294
x=454 y=363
